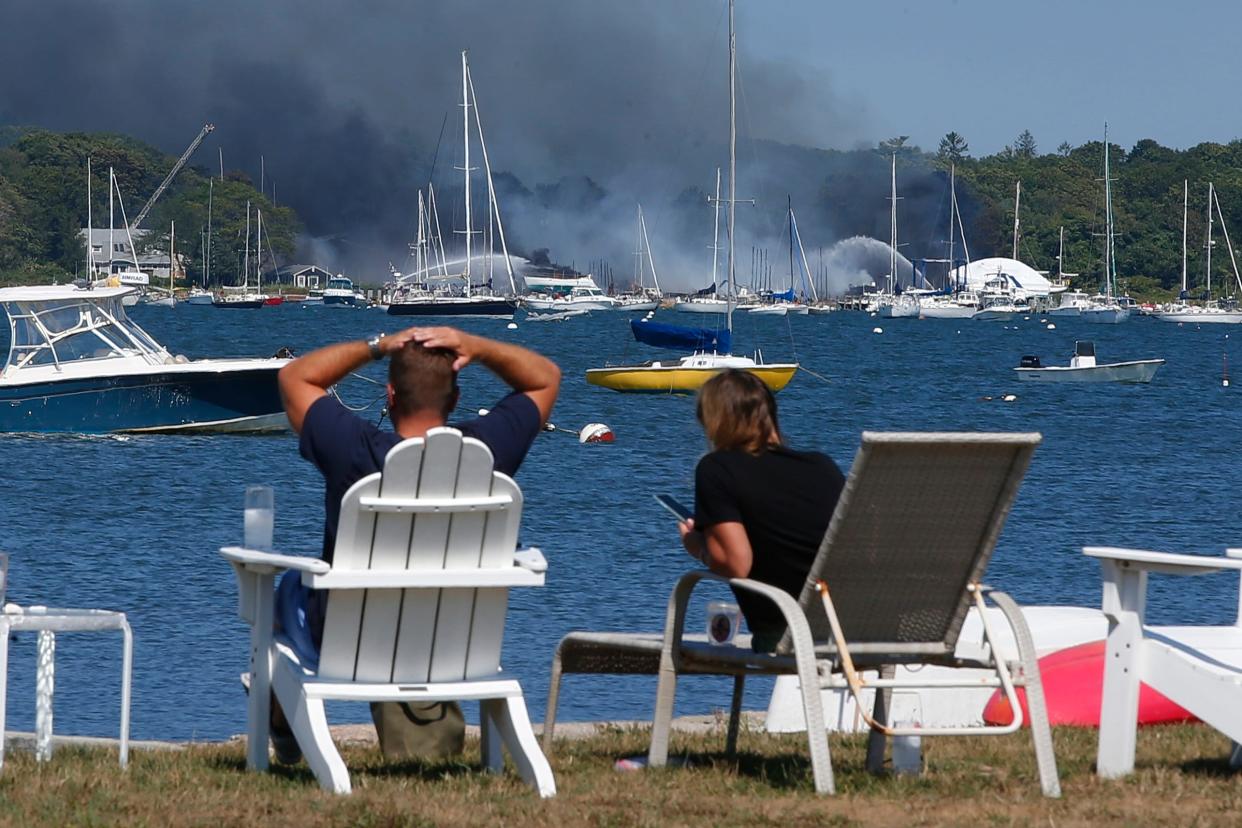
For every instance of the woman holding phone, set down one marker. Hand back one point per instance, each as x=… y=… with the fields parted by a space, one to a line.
x=760 y=507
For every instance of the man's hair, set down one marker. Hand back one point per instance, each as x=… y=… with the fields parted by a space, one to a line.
x=738 y=412
x=422 y=379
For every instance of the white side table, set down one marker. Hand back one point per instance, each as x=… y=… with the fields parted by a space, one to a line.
x=49 y=621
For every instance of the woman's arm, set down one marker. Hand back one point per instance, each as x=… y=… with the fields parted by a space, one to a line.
x=724 y=548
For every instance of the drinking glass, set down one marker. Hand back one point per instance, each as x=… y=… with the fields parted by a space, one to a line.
x=722 y=621
x=259 y=517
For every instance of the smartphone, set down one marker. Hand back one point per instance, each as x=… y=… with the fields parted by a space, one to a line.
x=675 y=506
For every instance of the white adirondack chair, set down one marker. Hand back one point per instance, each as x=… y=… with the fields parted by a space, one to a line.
x=424 y=557
x=1197 y=667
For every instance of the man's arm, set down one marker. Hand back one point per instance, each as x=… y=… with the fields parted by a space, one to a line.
x=520 y=368
x=309 y=377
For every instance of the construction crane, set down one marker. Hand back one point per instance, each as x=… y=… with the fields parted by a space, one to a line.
x=159 y=191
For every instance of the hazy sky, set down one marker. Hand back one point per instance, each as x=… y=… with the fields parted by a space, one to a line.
x=990 y=68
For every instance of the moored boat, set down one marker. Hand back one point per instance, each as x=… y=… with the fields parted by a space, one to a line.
x=1084 y=368
x=78 y=363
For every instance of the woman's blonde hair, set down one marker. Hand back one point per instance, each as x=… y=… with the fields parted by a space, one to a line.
x=738 y=411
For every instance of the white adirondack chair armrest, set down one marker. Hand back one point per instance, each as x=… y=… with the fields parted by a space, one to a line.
x=1168 y=563
x=270 y=562
x=531 y=558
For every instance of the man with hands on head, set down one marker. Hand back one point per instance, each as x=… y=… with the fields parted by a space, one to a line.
x=422 y=390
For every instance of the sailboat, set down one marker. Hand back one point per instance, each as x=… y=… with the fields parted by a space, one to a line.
x=891 y=304
x=466 y=299
x=1209 y=312
x=642 y=298
x=786 y=303
x=1106 y=309
x=958 y=302
x=689 y=373
x=241 y=297
x=707 y=300
x=169 y=301
x=130 y=276
x=1072 y=301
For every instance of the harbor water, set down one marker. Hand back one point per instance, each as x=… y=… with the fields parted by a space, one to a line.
x=134 y=523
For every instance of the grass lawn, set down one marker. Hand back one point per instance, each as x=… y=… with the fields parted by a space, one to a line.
x=1183 y=778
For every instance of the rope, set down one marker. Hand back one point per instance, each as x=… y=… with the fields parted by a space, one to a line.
x=812 y=373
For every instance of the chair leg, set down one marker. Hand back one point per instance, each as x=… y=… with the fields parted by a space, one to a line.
x=877 y=742
x=1123 y=591
x=1041 y=730
x=813 y=710
x=554 y=696
x=508 y=717
x=735 y=714
x=662 y=719
x=490 y=742
x=4 y=677
x=309 y=722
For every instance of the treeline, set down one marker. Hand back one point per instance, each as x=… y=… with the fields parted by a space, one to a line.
x=1064 y=189
x=43 y=207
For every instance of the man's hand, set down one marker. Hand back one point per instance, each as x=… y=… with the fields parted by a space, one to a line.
x=462 y=344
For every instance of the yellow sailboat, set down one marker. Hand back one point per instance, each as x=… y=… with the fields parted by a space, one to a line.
x=688 y=374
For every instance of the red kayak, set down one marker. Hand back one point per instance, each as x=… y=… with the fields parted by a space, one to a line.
x=1073 y=684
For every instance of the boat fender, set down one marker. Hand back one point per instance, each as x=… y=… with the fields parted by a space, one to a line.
x=595 y=433
x=877 y=330
x=1051 y=327
x=1009 y=397
x=512 y=326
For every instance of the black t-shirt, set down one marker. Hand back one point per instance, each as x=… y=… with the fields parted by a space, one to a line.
x=784 y=499
x=345 y=448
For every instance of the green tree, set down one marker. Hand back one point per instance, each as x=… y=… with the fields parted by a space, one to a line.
x=953 y=148
x=1024 y=147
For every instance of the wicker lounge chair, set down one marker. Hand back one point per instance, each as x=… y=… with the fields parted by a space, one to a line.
x=898 y=569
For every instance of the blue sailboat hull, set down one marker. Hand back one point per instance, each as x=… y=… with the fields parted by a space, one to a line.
x=208 y=400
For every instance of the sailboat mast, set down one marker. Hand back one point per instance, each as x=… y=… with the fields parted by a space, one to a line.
x=493 y=204
x=1108 y=224
x=420 y=243
x=207 y=263
x=1211 y=192
x=258 y=253
x=1017 y=201
x=892 y=236
x=90 y=233
x=952 y=216
x=1061 y=256
x=642 y=223
x=246 y=261
x=465 y=138
x=638 y=249
x=789 y=208
x=111 y=220
x=1185 y=210
x=716 y=230
x=172 y=255
x=732 y=162
x=1224 y=229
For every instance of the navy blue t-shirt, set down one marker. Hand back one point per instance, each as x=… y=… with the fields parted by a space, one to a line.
x=345 y=448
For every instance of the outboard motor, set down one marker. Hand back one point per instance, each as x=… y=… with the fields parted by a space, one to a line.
x=1030 y=361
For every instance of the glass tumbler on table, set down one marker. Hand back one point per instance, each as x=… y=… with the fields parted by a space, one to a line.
x=722 y=621
x=259 y=517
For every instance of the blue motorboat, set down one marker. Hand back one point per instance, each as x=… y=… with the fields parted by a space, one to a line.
x=78 y=363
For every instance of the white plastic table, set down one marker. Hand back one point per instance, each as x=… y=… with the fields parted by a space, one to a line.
x=48 y=621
